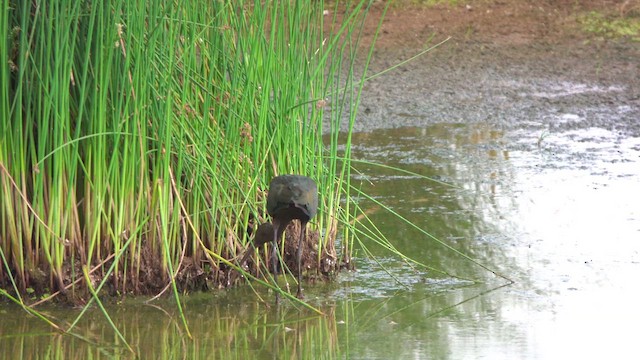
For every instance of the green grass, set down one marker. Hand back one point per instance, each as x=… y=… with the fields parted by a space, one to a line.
x=138 y=138
x=611 y=26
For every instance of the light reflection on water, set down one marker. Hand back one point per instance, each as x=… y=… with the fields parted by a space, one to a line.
x=556 y=213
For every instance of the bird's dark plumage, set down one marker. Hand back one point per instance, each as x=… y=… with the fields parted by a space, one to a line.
x=291 y=197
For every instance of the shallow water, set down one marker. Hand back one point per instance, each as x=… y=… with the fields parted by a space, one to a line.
x=558 y=216
x=543 y=188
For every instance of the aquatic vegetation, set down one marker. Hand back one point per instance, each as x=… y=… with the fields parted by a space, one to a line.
x=138 y=138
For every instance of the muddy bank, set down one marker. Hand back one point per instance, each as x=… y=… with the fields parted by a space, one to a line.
x=508 y=85
x=511 y=65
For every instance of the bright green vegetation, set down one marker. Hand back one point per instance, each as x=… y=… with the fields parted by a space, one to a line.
x=611 y=26
x=138 y=138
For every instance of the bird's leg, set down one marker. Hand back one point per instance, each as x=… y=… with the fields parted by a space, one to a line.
x=274 y=256
x=303 y=226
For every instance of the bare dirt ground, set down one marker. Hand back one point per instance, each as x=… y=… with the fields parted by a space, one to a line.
x=506 y=62
x=500 y=22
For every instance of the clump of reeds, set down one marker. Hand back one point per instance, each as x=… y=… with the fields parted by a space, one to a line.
x=137 y=138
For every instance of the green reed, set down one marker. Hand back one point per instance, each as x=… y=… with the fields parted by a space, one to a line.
x=138 y=138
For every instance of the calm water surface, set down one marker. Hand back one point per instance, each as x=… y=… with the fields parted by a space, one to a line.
x=557 y=214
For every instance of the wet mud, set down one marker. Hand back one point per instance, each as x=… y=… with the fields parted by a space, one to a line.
x=514 y=86
x=514 y=65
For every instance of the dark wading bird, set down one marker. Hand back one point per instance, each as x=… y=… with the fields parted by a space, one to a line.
x=291 y=197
